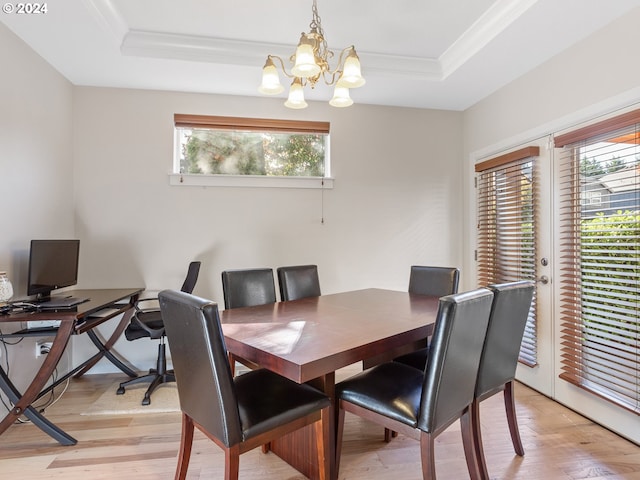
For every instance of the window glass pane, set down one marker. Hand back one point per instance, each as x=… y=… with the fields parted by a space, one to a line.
x=507 y=218
x=212 y=151
x=600 y=222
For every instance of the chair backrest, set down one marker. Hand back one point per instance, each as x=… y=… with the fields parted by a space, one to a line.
x=509 y=313
x=248 y=287
x=436 y=281
x=454 y=358
x=191 y=278
x=203 y=375
x=298 y=281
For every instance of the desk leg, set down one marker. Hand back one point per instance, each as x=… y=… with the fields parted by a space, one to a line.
x=22 y=402
x=299 y=449
x=104 y=349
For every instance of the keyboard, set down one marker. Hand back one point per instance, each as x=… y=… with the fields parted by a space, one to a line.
x=62 y=302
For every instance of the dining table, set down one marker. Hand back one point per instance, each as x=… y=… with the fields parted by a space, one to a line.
x=308 y=340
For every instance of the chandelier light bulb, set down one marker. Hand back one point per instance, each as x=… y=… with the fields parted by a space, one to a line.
x=305 y=65
x=351 y=75
x=296 y=95
x=270 y=79
x=341 y=97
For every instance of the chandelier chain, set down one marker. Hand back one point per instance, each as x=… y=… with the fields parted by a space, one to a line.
x=316 y=26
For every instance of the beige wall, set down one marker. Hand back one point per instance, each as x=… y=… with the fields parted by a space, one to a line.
x=395 y=202
x=36 y=172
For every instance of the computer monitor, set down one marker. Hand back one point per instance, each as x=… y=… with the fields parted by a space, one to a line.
x=53 y=264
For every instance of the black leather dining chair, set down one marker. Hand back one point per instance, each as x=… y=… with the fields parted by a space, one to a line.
x=147 y=321
x=247 y=288
x=434 y=281
x=237 y=414
x=509 y=313
x=422 y=404
x=298 y=281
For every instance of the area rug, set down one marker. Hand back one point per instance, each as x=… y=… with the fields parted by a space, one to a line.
x=163 y=399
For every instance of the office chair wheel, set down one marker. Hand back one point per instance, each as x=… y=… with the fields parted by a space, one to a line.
x=120 y=390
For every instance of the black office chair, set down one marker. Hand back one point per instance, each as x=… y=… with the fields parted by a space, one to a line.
x=247 y=288
x=298 y=281
x=422 y=404
x=148 y=322
x=509 y=313
x=239 y=413
x=435 y=281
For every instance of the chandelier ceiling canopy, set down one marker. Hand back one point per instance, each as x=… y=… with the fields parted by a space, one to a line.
x=310 y=64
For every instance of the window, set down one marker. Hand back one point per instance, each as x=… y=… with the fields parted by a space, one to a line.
x=507 y=218
x=600 y=270
x=250 y=148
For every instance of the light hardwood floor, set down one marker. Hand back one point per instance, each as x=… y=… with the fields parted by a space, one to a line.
x=559 y=444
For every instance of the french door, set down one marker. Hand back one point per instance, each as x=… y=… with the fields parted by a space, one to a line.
x=514 y=243
x=597 y=320
x=586 y=195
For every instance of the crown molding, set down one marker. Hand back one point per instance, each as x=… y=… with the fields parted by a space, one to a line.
x=491 y=24
x=243 y=53
x=109 y=17
x=253 y=54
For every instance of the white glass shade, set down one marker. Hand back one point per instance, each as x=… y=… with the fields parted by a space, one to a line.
x=296 y=95
x=270 y=79
x=341 y=97
x=351 y=74
x=305 y=65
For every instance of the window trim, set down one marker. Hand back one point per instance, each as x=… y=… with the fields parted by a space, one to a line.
x=249 y=124
x=253 y=181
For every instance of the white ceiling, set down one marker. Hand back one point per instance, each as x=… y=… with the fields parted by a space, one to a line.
x=445 y=54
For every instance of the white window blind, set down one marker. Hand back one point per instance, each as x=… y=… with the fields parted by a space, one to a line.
x=600 y=261
x=507 y=217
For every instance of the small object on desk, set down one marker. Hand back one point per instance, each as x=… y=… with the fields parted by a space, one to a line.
x=36 y=324
x=62 y=302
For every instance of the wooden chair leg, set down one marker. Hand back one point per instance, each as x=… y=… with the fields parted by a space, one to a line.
x=186 y=442
x=339 y=433
x=232 y=463
x=478 y=448
x=389 y=434
x=321 y=431
x=232 y=364
x=468 y=442
x=512 y=420
x=427 y=456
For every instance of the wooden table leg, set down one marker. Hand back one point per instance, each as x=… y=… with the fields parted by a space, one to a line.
x=22 y=402
x=299 y=449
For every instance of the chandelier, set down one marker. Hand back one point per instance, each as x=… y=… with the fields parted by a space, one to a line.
x=310 y=64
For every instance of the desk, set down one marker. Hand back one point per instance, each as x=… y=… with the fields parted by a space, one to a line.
x=308 y=340
x=77 y=320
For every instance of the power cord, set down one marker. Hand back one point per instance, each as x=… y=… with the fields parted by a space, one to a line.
x=52 y=400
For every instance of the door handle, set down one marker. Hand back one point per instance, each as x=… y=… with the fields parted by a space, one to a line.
x=543 y=280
